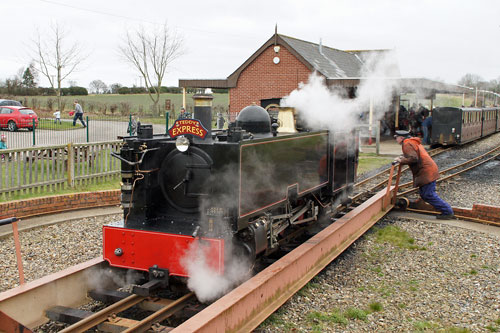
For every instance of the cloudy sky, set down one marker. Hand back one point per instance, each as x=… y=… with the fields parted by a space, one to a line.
x=436 y=39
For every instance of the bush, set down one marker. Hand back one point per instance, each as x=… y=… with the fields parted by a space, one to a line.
x=78 y=91
x=137 y=90
x=113 y=108
x=47 y=92
x=123 y=91
x=50 y=104
x=125 y=108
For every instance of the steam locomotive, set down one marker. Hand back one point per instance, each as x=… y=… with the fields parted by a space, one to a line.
x=241 y=190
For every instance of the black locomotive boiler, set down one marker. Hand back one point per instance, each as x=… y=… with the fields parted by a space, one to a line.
x=243 y=190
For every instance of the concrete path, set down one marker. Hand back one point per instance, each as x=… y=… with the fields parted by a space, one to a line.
x=34 y=222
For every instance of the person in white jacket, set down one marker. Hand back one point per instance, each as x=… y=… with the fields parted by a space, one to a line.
x=57 y=116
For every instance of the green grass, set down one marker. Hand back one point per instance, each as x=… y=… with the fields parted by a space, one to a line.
x=275 y=319
x=440 y=100
x=370 y=161
x=423 y=325
x=375 y=307
x=304 y=291
x=115 y=103
x=397 y=237
x=42 y=170
x=317 y=318
x=48 y=124
x=113 y=184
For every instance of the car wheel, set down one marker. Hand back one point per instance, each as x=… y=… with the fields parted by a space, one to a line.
x=12 y=126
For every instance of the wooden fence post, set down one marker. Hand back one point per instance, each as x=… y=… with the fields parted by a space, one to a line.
x=71 y=165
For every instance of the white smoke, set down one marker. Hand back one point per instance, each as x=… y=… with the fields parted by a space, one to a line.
x=321 y=107
x=207 y=283
x=110 y=278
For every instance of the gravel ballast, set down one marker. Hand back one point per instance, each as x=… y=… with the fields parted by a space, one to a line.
x=449 y=283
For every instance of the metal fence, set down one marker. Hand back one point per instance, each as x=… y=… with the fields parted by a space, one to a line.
x=38 y=170
x=49 y=132
x=98 y=128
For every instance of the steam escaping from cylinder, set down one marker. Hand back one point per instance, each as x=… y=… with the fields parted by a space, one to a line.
x=323 y=107
x=204 y=281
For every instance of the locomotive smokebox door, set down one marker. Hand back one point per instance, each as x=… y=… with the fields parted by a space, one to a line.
x=183 y=176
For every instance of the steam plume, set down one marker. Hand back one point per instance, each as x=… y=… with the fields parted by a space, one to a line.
x=320 y=106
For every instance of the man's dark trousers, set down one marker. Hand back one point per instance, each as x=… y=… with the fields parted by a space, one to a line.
x=429 y=195
x=78 y=116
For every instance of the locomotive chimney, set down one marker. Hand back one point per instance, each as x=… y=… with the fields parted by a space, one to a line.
x=203 y=110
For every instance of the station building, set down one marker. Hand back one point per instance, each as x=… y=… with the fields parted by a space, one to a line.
x=282 y=63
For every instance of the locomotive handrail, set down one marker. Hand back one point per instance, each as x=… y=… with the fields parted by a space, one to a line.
x=129 y=162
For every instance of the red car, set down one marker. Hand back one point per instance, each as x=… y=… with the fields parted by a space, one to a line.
x=14 y=117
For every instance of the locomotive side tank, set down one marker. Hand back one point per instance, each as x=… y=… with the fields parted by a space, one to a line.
x=238 y=190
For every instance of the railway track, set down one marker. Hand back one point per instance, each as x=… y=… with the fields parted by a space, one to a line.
x=240 y=310
x=106 y=320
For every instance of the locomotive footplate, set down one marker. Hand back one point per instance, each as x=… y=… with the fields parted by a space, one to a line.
x=143 y=250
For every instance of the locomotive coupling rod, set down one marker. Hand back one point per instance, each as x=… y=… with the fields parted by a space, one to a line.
x=300 y=212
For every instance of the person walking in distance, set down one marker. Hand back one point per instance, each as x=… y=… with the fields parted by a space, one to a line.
x=425 y=172
x=57 y=117
x=78 y=114
x=3 y=142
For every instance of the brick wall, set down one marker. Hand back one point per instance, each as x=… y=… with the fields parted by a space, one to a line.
x=483 y=212
x=263 y=79
x=58 y=203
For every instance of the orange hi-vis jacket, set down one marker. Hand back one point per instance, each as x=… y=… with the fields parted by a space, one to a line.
x=424 y=169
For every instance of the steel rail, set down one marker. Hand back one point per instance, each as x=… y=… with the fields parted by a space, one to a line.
x=245 y=307
x=461 y=217
x=452 y=175
x=163 y=313
x=433 y=152
x=457 y=166
x=27 y=303
x=100 y=316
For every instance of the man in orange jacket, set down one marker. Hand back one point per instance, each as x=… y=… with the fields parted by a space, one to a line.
x=425 y=172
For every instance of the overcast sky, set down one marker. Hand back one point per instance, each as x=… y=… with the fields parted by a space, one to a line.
x=436 y=39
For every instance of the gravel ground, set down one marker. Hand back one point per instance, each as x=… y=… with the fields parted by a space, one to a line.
x=53 y=248
x=450 y=282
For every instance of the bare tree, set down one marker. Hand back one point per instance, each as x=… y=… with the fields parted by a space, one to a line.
x=55 y=59
x=471 y=80
x=150 y=53
x=98 y=87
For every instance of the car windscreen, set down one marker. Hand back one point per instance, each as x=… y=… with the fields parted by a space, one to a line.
x=26 y=111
